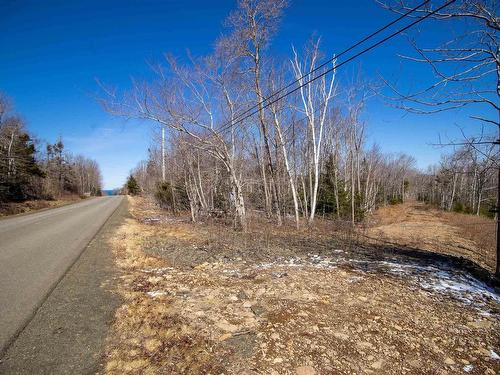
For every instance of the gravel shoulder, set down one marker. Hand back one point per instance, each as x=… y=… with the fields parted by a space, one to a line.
x=67 y=333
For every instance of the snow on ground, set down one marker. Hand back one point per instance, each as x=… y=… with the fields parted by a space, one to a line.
x=438 y=277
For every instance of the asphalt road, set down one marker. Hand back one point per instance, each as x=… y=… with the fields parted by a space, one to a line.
x=37 y=250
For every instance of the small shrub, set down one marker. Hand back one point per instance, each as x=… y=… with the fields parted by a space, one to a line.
x=395 y=200
x=163 y=195
x=458 y=207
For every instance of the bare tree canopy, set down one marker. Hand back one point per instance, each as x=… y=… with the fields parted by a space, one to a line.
x=466 y=66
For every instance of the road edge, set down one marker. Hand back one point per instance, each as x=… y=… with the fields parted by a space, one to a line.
x=21 y=214
x=11 y=341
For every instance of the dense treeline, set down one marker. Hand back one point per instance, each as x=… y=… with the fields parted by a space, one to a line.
x=352 y=181
x=300 y=155
x=29 y=172
x=464 y=181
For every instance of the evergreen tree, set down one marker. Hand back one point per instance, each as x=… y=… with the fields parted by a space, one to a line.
x=18 y=166
x=132 y=186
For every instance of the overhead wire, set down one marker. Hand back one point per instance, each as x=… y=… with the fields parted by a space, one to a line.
x=335 y=67
x=371 y=35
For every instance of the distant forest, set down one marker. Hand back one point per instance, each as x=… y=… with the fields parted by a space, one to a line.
x=32 y=170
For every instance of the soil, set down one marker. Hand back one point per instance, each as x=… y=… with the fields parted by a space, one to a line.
x=202 y=299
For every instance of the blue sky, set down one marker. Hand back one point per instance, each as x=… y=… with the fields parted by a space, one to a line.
x=52 y=52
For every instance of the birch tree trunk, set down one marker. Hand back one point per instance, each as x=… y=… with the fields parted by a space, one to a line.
x=315 y=97
x=291 y=180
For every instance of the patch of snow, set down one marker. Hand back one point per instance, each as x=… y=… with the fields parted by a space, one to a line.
x=468 y=368
x=294 y=262
x=494 y=355
x=156 y=293
x=455 y=283
x=433 y=278
x=461 y=286
x=355 y=279
x=231 y=272
x=265 y=266
x=314 y=260
x=159 y=271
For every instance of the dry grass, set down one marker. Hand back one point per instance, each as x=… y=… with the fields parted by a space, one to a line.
x=417 y=225
x=149 y=336
x=15 y=208
x=480 y=230
x=184 y=244
x=228 y=310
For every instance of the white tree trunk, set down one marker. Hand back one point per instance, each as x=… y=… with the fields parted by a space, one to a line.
x=163 y=153
x=288 y=170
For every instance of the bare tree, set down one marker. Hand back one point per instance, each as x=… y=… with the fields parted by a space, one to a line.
x=466 y=67
x=278 y=115
x=196 y=101
x=254 y=23
x=315 y=97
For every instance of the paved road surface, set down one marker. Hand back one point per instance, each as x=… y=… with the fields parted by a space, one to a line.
x=36 y=250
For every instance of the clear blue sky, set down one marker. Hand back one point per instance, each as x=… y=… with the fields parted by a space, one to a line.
x=52 y=52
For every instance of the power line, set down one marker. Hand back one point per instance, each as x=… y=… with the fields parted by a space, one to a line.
x=346 y=61
x=233 y=123
x=496 y=142
x=330 y=60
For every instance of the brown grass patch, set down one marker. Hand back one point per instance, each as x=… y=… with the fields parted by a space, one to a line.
x=481 y=230
x=15 y=208
x=416 y=225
